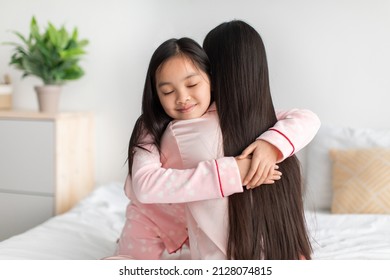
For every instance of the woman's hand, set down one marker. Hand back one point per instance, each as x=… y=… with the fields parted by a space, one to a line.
x=263 y=168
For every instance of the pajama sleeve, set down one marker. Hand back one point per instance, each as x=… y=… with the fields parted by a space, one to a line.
x=151 y=183
x=293 y=131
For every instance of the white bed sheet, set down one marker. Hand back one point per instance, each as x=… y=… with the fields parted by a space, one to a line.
x=349 y=236
x=90 y=231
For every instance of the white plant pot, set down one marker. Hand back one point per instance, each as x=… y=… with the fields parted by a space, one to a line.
x=48 y=98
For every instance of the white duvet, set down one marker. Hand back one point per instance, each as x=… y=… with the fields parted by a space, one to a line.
x=90 y=231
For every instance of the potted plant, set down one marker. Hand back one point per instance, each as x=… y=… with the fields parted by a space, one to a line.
x=53 y=56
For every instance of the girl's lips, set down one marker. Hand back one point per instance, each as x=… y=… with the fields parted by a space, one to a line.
x=186 y=109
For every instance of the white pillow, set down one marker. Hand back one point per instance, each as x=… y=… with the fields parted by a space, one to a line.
x=318 y=175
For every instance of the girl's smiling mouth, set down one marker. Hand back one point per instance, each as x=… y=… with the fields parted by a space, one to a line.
x=186 y=109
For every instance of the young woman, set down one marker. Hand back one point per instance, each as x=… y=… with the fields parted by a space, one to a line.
x=267 y=222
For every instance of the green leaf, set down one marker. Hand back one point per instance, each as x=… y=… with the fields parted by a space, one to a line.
x=83 y=43
x=75 y=34
x=63 y=38
x=72 y=53
x=34 y=29
x=53 y=35
x=24 y=40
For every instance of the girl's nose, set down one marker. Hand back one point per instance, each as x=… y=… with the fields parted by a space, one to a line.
x=183 y=100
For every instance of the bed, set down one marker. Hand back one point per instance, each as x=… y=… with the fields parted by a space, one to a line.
x=90 y=230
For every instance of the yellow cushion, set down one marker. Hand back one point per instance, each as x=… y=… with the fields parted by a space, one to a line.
x=361 y=181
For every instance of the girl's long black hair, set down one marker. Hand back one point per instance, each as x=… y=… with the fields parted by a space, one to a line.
x=153 y=119
x=267 y=222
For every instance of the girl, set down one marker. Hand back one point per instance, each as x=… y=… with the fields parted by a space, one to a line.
x=177 y=87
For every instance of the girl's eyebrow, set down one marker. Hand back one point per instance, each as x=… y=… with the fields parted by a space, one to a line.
x=160 y=84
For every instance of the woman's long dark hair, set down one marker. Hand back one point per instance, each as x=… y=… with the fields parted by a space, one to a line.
x=267 y=222
x=153 y=119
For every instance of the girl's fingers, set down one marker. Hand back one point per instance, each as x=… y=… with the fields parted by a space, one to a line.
x=256 y=175
x=277 y=175
x=245 y=153
x=254 y=168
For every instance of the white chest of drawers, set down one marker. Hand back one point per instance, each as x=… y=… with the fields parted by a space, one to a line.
x=46 y=166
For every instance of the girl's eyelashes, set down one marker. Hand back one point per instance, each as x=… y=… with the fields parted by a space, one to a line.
x=166 y=91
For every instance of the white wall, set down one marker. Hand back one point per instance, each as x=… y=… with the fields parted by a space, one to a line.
x=332 y=57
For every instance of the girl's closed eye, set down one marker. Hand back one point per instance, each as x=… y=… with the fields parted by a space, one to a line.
x=192 y=85
x=167 y=92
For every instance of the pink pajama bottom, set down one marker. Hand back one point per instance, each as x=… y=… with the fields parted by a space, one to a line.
x=141 y=239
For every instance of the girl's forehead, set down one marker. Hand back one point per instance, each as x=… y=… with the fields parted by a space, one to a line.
x=177 y=59
x=177 y=63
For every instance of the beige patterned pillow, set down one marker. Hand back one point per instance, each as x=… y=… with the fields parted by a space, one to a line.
x=361 y=181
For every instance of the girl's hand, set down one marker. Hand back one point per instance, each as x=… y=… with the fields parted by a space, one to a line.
x=244 y=166
x=263 y=164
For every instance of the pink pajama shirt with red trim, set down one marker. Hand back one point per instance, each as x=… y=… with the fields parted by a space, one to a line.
x=167 y=191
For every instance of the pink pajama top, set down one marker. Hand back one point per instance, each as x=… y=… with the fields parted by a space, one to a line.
x=183 y=187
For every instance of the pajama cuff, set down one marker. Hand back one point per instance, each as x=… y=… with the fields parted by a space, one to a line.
x=280 y=141
x=228 y=176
